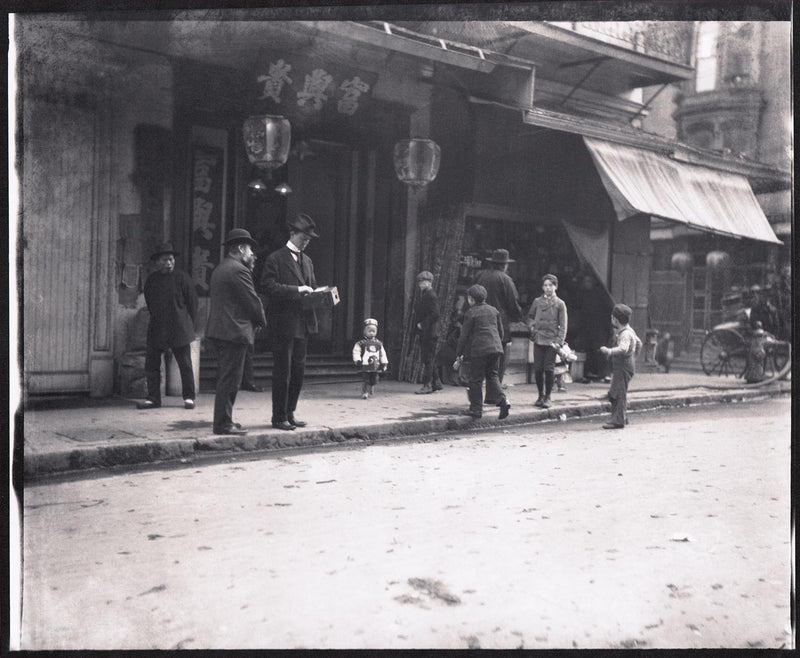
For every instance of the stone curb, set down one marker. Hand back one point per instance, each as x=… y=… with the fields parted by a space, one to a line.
x=183 y=450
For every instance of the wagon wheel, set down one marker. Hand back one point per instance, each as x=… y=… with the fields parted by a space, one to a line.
x=724 y=352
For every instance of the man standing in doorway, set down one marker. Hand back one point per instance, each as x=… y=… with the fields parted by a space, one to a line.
x=172 y=303
x=236 y=312
x=287 y=278
x=502 y=294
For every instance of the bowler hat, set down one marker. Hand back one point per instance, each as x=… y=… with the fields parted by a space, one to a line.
x=304 y=224
x=500 y=256
x=237 y=235
x=164 y=248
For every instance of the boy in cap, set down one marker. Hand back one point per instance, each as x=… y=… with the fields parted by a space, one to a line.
x=481 y=343
x=172 y=303
x=547 y=320
x=370 y=357
x=622 y=355
x=502 y=294
x=427 y=315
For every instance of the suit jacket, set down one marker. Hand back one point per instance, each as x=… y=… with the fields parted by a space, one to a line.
x=481 y=333
x=172 y=302
x=502 y=294
x=280 y=280
x=236 y=309
x=427 y=313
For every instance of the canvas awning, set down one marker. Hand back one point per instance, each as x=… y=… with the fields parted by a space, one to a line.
x=642 y=181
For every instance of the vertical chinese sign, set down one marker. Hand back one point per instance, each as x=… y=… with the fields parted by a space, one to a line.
x=206 y=209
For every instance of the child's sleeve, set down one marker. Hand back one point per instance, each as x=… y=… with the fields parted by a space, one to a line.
x=357 y=352
x=384 y=358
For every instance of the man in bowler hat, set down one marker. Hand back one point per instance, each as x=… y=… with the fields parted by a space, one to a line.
x=172 y=302
x=502 y=294
x=288 y=276
x=236 y=313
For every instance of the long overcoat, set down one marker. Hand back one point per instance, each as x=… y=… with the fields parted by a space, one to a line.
x=236 y=309
x=172 y=303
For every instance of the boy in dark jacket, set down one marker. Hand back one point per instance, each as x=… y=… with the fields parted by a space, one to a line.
x=481 y=343
x=427 y=314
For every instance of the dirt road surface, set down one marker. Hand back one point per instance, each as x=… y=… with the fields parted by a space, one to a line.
x=673 y=533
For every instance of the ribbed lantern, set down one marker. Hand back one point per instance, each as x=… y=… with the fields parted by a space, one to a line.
x=267 y=139
x=681 y=261
x=718 y=260
x=416 y=161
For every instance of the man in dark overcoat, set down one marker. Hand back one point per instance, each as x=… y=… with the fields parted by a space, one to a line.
x=236 y=313
x=502 y=294
x=172 y=303
x=287 y=278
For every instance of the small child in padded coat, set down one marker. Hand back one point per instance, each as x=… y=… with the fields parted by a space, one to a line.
x=370 y=357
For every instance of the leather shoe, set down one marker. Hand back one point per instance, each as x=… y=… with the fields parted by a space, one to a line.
x=238 y=431
x=147 y=404
x=505 y=406
x=282 y=425
x=253 y=388
x=612 y=426
x=297 y=423
x=473 y=414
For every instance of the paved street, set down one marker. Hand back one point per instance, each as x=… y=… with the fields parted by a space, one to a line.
x=672 y=533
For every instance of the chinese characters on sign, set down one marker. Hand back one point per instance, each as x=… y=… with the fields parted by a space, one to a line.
x=312 y=88
x=206 y=207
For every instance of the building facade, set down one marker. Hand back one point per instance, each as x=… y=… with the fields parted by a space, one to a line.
x=130 y=133
x=738 y=105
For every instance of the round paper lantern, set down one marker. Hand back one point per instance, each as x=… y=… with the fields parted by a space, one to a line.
x=681 y=261
x=267 y=140
x=416 y=161
x=717 y=260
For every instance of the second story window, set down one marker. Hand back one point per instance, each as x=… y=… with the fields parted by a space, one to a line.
x=706 y=56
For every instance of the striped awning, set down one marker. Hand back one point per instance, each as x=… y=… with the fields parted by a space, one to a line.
x=641 y=181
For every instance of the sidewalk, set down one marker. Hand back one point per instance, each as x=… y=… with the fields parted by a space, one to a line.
x=112 y=432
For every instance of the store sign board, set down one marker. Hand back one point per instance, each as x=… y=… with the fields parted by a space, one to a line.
x=207 y=180
x=311 y=87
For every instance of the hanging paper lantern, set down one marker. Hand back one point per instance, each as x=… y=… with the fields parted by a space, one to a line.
x=416 y=161
x=681 y=261
x=267 y=140
x=717 y=260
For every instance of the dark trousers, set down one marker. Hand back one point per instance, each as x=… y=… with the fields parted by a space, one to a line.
x=152 y=369
x=503 y=361
x=230 y=363
x=622 y=371
x=544 y=363
x=430 y=371
x=480 y=368
x=289 y=355
x=248 y=375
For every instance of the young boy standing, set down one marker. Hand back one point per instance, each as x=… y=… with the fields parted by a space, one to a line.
x=427 y=314
x=481 y=343
x=622 y=355
x=370 y=357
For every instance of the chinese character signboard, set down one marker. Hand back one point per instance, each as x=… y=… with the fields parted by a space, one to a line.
x=299 y=87
x=206 y=210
